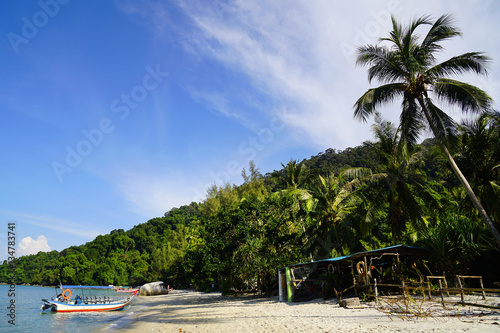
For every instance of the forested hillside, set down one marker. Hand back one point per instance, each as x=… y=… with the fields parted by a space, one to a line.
x=334 y=203
x=146 y=252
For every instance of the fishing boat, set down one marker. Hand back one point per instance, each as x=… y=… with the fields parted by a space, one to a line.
x=126 y=289
x=85 y=299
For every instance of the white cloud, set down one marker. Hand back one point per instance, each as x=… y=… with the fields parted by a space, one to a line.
x=29 y=245
x=296 y=52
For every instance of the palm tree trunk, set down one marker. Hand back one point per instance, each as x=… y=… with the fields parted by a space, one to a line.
x=463 y=180
x=472 y=196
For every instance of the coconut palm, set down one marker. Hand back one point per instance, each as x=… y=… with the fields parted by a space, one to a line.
x=479 y=158
x=406 y=66
x=295 y=174
x=399 y=180
x=293 y=177
x=335 y=199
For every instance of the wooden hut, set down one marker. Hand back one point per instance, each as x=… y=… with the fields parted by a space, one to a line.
x=331 y=277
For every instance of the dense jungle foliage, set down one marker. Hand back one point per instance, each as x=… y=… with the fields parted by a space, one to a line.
x=334 y=203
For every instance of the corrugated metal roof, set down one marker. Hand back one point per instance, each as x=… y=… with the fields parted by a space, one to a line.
x=401 y=249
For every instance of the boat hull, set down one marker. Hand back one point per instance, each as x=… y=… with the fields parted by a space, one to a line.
x=84 y=301
x=65 y=307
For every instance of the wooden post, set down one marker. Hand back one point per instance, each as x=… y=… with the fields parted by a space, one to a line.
x=280 y=284
x=461 y=288
x=354 y=279
x=446 y=286
x=429 y=287
x=376 y=290
x=441 y=291
x=367 y=280
x=482 y=287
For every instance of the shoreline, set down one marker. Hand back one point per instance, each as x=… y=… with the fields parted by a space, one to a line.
x=189 y=311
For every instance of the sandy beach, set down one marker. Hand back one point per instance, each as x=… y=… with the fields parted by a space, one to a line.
x=186 y=311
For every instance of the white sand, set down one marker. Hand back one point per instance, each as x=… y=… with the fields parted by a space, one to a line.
x=183 y=311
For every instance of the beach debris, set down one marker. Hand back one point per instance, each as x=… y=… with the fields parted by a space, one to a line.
x=350 y=303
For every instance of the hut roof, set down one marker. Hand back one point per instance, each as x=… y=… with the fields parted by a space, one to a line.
x=404 y=250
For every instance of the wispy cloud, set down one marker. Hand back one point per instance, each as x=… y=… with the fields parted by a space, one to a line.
x=151 y=194
x=58 y=224
x=154 y=13
x=217 y=101
x=285 y=54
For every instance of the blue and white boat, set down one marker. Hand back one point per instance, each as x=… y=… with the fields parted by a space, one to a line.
x=80 y=299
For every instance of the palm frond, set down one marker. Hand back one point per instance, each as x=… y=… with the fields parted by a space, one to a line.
x=412 y=209
x=384 y=65
x=374 y=97
x=440 y=31
x=473 y=61
x=353 y=173
x=410 y=39
x=468 y=97
x=377 y=177
x=395 y=34
x=415 y=23
x=406 y=47
x=387 y=135
x=443 y=126
x=495 y=186
x=414 y=159
x=410 y=122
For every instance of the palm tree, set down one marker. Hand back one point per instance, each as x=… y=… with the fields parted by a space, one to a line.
x=399 y=179
x=479 y=158
x=407 y=67
x=295 y=174
x=293 y=177
x=335 y=199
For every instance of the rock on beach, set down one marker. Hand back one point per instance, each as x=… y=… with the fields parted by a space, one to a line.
x=153 y=288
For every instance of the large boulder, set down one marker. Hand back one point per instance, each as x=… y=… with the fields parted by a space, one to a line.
x=153 y=288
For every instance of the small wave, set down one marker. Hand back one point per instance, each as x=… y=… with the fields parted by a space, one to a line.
x=121 y=322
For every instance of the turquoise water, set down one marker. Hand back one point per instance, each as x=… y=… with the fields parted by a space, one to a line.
x=29 y=317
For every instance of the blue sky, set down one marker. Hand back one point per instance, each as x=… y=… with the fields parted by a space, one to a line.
x=113 y=112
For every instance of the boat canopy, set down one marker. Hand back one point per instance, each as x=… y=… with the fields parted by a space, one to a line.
x=85 y=287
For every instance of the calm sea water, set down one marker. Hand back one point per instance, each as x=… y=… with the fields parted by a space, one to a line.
x=29 y=317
